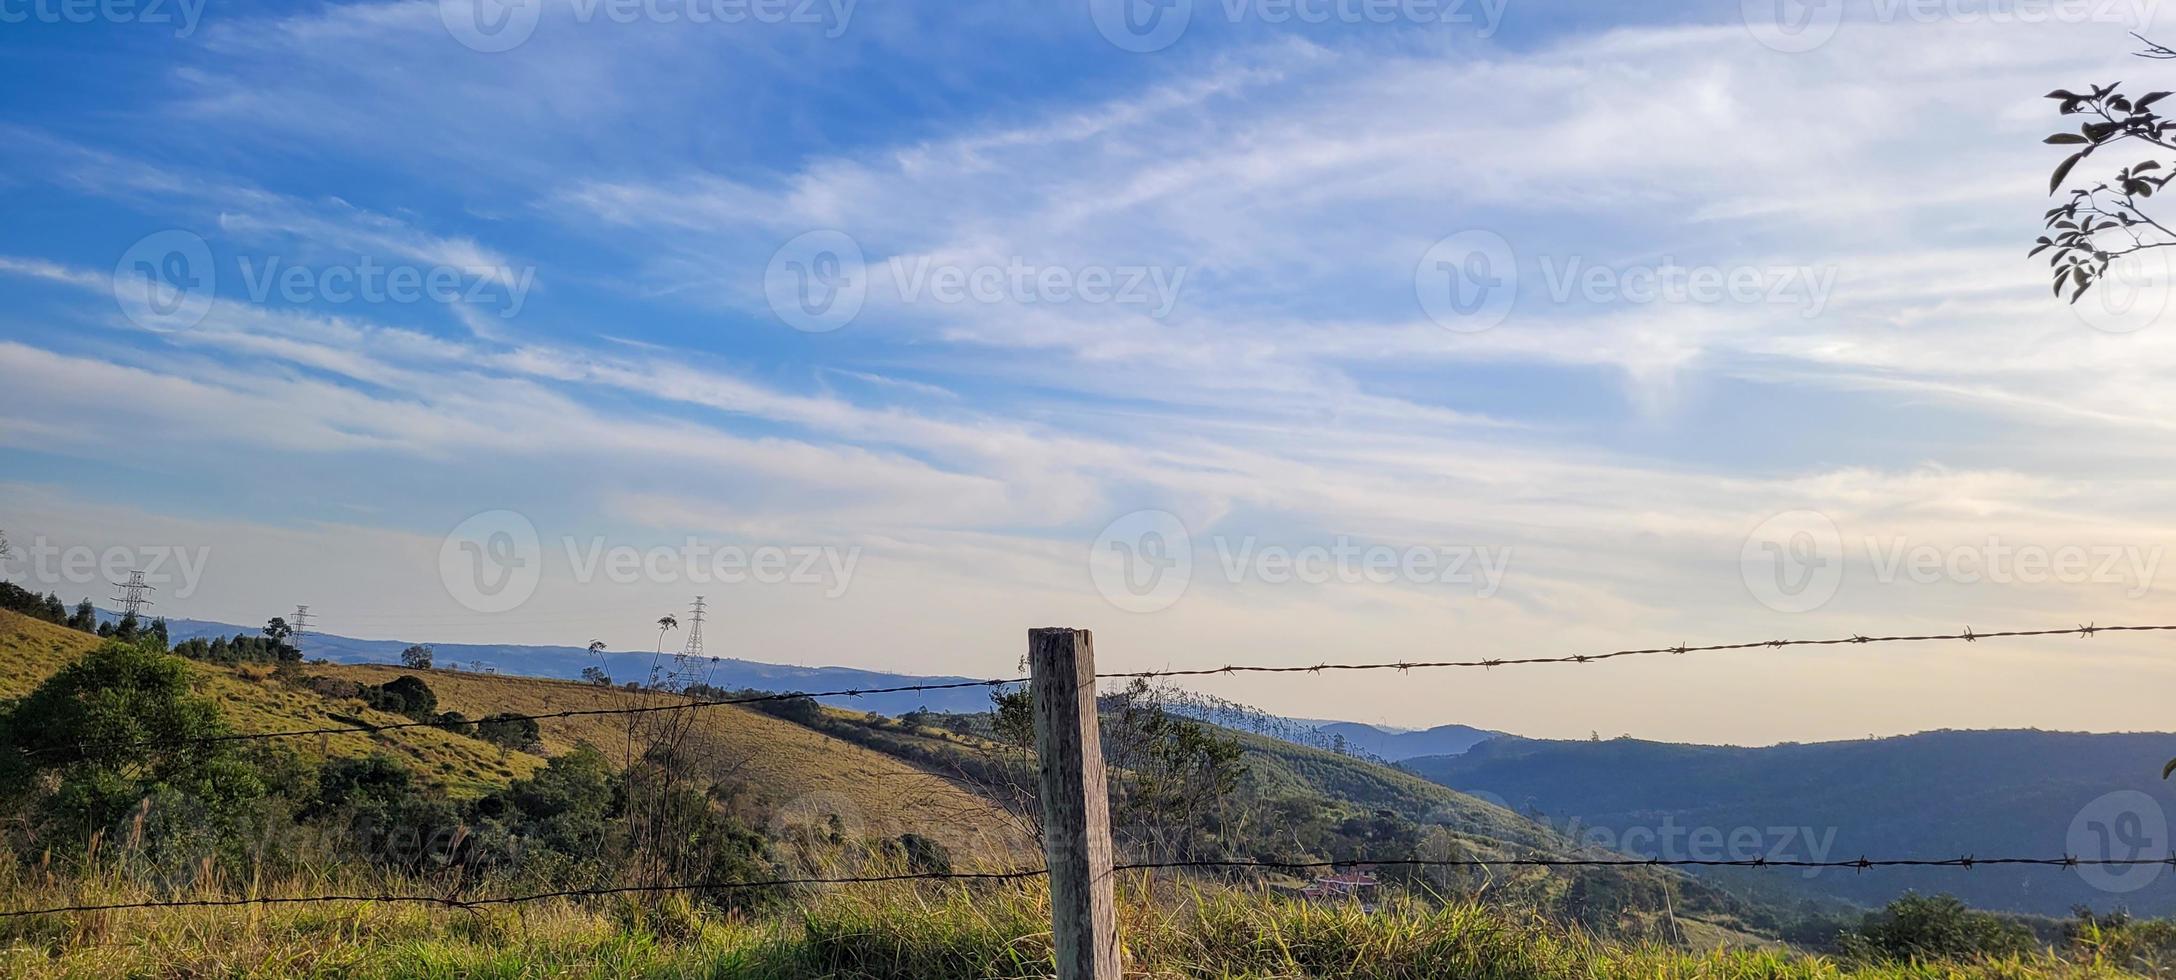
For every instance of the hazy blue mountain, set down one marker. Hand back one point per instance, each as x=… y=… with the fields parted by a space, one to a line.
x=1940 y=794
x=568 y=661
x=1397 y=745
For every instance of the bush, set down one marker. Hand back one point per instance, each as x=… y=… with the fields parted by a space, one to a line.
x=403 y=695
x=510 y=730
x=116 y=743
x=1940 y=927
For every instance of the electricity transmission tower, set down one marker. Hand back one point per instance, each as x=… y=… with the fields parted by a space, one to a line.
x=135 y=595
x=692 y=654
x=300 y=624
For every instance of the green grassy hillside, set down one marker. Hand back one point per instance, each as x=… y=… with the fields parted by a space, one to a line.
x=801 y=775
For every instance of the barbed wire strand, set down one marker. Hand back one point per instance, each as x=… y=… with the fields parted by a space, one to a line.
x=1967 y=636
x=362 y=727
x=1966 y=862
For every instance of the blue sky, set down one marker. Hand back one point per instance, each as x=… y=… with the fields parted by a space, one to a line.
x=1206 y=293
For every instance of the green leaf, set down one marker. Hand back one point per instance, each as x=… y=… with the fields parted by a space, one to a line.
x=2062 y=170
x=2170 y=770
x=2061 y=138
x=2149 y=99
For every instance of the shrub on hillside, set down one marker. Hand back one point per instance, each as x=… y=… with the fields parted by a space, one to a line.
x=117 y=747
x=510 y=731
x=1939 y=927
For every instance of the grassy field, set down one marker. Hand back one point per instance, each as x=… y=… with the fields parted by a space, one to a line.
x=895 y=933
x=252 y=701
x=803 y=775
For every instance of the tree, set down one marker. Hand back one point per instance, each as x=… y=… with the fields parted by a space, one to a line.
x=597 y=676
x=105 y=733
x=509 y=730
x=1917 y=927
x=417 y=657
x=276 y=629
x=84 y=618
x=404 y=695
x=2106 y=221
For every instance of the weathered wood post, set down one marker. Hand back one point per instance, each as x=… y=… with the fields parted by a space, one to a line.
x=1076 y=804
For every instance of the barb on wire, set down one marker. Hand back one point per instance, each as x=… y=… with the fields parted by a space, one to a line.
x=362 y=727
x=1966 y=863
x=1581 y=658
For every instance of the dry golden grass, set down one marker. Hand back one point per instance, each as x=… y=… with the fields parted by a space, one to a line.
x=252 y=701
x=803 y=775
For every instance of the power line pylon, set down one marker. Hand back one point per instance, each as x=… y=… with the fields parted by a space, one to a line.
x=134 y=595
x=691 y=654
x=297 y=628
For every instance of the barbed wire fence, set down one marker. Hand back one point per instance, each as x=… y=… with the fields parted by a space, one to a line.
x=1079 y=860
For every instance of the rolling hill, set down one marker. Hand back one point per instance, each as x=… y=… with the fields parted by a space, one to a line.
x=1397 y=745
x=801 y=774
x=1945 y=793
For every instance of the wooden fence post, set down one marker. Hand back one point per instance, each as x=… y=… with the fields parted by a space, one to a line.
x=1076 y=804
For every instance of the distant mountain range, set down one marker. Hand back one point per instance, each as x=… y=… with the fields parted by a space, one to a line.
x=567 y=662
x=1939 y=794
x=1397 y=745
